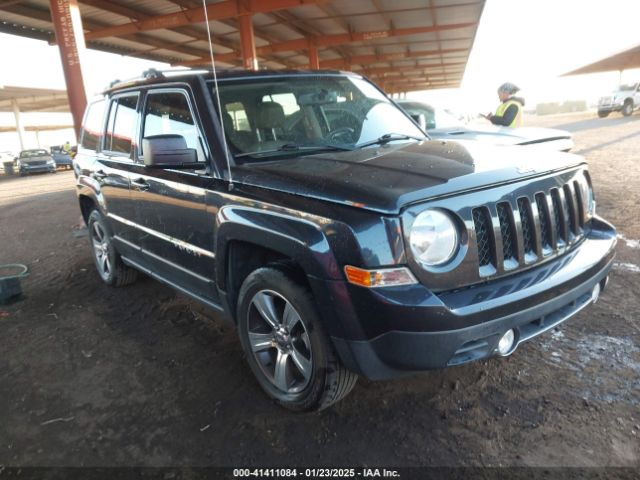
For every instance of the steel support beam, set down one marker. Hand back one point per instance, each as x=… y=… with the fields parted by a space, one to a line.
x=67 y=24
x=215 y=11
x=248 y=42
x=314 y=60
x=19 y=127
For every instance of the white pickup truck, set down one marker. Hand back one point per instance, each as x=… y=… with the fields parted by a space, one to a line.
x=625 y=99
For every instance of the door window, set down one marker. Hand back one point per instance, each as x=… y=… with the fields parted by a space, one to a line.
x=93 y=125
x=121 y=126
x=170 y=113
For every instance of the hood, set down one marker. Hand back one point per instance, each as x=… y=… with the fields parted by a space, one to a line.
x=390 y=177
x=499 y=135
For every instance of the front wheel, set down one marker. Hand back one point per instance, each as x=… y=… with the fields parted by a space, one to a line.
x=285 y=345
x=108 y=263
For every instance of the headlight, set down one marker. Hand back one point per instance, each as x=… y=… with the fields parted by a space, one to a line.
x=433 y=238
x=50 y=162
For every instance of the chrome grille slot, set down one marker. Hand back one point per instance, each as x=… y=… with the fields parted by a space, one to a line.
x=545 y=222
x=484 y=236
x=570 y=204
x=559 y=218
x=508 y=233
x=528 y=226
x=580 y=203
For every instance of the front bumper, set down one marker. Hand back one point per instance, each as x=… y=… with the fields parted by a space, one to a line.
x=24 y=169
x=610 y=108
x=409 y=329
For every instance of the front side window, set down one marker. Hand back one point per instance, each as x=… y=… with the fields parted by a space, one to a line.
x=169 y=113
x=92 y=126
x=121 y=127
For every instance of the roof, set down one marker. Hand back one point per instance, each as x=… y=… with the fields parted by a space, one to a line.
x=33 y=99
x=407 y=44
x=624 y=60
x=153 y=76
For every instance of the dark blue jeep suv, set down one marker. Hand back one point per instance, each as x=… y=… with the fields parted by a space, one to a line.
x=341 y=240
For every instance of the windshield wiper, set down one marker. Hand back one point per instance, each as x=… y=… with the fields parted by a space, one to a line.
x=390 y=137
x=294 y=147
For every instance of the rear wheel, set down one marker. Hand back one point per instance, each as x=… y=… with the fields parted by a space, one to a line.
x=285 y=345
x=108 y=262
x=602 y=114
x=627 y=109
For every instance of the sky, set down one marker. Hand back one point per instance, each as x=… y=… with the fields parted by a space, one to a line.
x=527 y=42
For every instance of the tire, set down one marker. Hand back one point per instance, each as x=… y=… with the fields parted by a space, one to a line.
x=603 y=114
x=287 y=349
x=627 y=109
x=108 y=262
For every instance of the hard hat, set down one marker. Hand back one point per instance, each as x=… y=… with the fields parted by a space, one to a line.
x=509 y=88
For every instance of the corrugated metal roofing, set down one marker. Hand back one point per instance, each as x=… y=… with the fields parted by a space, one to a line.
x=625 y=60
x=389 y=53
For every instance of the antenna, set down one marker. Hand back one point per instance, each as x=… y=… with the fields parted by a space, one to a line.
x=215 y=82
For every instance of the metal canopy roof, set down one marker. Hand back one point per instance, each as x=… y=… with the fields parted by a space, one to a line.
x=404 y=44
x=625 y=60
x=33 y=99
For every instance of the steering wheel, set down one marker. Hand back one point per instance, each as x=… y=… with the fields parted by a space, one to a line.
x=335 y=135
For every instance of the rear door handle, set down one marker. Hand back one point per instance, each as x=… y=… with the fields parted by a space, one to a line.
x=140 y=184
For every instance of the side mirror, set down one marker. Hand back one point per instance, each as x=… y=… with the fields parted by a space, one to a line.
x=168 y=151
x=420 y=119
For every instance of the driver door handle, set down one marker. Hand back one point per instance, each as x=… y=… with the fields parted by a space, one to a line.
x=140 y=184
x=99 y=175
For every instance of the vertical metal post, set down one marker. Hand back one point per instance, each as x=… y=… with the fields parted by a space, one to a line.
x=70 y=39
x=249 y=59
x=314 y=60
x=19 y=128
x=38 y=138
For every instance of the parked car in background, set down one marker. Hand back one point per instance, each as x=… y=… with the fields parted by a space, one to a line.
x=8 y=158
x=440 y=124
x=338 y=238
x=625 y=99
x=62 y=158
x=35 y=161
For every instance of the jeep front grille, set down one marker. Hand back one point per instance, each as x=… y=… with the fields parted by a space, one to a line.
x=531 y=228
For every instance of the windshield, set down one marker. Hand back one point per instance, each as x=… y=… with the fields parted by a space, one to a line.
x=628 y=87
x=32 y=153
x=434 y=117
x=307 y=113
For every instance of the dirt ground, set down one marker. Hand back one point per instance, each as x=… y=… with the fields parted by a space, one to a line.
x=95 y=376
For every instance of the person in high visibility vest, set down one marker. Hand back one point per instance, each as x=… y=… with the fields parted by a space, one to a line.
x=509 y=112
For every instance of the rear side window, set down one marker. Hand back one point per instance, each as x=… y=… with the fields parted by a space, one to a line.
x=92 y=127
x=121 y=127
x=170 y=113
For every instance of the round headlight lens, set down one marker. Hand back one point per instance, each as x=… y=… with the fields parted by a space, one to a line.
x=433 y=238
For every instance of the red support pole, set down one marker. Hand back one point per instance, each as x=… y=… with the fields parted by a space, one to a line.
x=249 y=59
x=70 y=38
x=314 y=60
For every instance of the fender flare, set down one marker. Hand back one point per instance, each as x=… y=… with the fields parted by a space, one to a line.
x=300 y=239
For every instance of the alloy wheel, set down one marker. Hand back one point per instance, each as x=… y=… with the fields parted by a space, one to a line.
x=101 y=249
x=279 y=341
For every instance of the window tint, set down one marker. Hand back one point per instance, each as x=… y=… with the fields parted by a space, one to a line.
x=121 y=127
x=92 y=127
x=169 y=113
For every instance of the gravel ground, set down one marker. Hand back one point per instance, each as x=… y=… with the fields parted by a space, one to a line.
x=95 y=376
